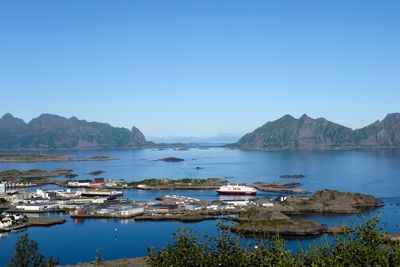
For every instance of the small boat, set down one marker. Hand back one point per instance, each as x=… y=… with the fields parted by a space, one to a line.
x=236 y=190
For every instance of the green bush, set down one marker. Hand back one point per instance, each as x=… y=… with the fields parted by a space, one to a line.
x=359 y=246
x=27 y=254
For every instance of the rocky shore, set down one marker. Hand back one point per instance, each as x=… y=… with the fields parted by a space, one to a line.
x=131 y=262
x=277 y=219
x=41 y=221
x=282 y=188
x=332 y=201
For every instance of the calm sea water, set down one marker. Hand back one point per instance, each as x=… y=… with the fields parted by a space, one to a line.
x=375 y=172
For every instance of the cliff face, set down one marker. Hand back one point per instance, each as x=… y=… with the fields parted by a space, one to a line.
x=55 y=132
x=289 y=133
x=380 y=133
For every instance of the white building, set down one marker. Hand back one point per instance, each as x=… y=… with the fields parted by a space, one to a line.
x=35 y=207
x=6 y=222
x=267 y=204
x=130 y=211
x=2 y=188
x=41 y=193
x=237 y=203
x=80 y=183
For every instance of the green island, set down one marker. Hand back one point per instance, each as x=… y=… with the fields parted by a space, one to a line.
x=29 y=157
x=185 y=183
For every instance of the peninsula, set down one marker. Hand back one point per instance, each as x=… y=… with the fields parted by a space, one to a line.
x=178 y=184
x=29 y=157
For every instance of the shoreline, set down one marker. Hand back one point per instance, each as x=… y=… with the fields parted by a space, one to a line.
x=41 y=222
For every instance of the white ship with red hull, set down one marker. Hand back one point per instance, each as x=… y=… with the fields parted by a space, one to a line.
x=236 y=190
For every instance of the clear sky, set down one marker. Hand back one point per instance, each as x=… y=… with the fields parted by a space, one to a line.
x=199 y=67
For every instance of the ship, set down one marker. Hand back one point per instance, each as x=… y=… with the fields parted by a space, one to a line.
x=101 y=193
x=236 y=190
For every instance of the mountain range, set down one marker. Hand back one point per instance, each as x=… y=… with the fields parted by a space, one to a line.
x=50 y=131
x=289 y=133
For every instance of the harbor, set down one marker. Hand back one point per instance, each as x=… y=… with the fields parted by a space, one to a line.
x=92 y=199
x=172 y=201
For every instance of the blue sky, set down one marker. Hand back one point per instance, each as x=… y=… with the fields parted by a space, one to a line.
x=200 y=67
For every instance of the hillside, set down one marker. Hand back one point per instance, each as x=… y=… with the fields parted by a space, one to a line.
x=288 y=133
x=50 y=131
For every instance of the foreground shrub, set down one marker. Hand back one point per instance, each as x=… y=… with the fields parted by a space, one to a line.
x=359 y=246
x=27 y=254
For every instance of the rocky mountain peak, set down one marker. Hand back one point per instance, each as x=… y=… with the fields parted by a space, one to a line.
x=49 y=131
x=288 y=133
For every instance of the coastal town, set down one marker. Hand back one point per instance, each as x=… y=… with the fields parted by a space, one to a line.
x=100 y=198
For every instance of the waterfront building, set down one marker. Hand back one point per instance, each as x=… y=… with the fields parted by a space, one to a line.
x=236 y=203
x=97 y=182
x=5 y=223
x=80 y=183
x=36 y=206
x=2 y=188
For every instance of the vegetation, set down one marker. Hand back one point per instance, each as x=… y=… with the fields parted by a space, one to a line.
x=249 y=213
x=359 y=246
x=305 y=202
x=98 y=261
x=27 y=254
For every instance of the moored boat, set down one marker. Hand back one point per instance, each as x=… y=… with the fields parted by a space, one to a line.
x=236 y=190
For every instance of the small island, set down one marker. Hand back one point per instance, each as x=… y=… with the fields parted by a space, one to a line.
x=95 y=173
x=293 y=176
x=98 y=158
x=276 y=218
x=170 y=159
x=282 y=188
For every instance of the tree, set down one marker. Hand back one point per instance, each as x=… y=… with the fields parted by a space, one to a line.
x=27 y=254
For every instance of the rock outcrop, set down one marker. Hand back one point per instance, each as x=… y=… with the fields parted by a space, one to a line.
x=261 y=221
x=332 y=201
